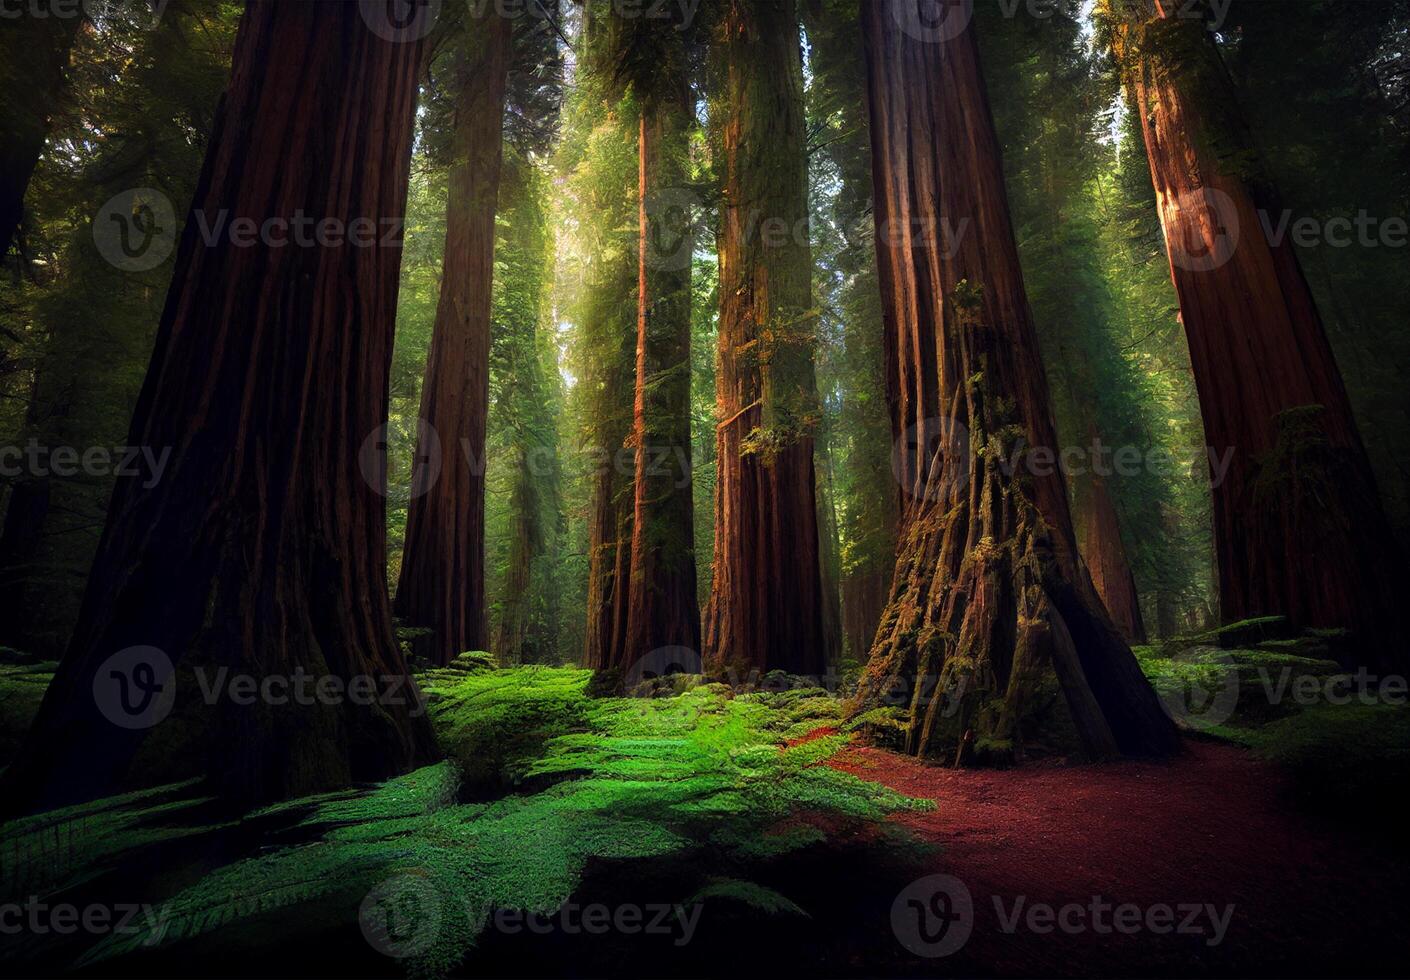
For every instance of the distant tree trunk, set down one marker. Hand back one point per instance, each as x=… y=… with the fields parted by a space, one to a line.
x=442 y=582
x=34 y=62
x=864 y=594
x=765 y=608
x=262 y=550
x=526 y=542
x=829 y=557
x=662 y=606
x=993 y=617
x=1299 y=528
x=613 y=497
x=1105 y=555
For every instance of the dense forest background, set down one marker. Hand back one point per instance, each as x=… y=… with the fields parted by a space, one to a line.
x=135 y=110
x=764 y=443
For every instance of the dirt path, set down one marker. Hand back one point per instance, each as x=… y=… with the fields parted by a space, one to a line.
x=1205 y=830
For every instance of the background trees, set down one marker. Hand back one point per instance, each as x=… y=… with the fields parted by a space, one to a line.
x=441 y=586
x=766 y=603
x=641 y=310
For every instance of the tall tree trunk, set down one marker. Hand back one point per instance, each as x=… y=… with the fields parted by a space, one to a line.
x=262 y=551
x=609 y=542
x=765 y=608
x=442 y=581
x=829 y=557
x=993 y=617
x=1299 y=528
x=526 y=543
x=864 y=594
x=34 y=60
x=662 y=608
x=1105 y=555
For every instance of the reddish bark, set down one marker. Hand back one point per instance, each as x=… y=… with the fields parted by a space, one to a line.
x=1105 y=554
x=662 y=609
x=993 y=616
x=1299 y=528
x=765 y=609
x=263 y=548
x=442 y=581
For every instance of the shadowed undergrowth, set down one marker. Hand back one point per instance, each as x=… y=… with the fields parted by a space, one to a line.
x=706 y=778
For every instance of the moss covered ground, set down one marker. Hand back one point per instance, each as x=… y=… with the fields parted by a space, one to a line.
x=542 y=786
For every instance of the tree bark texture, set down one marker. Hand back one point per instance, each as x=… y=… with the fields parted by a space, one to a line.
x=994 y=643
x=1298 y=524
x=765 y=610
x=442 y=581
x=262 y=550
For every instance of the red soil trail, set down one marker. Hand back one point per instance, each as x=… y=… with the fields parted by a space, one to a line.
x=1211 y=827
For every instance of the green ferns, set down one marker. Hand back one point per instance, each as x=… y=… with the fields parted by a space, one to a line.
x=705 y=775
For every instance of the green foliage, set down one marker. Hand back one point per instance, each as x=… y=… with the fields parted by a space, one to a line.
x=22 y=687
x=63 y=848
x=1343 y=745
x=493 y=722
x=704 y=776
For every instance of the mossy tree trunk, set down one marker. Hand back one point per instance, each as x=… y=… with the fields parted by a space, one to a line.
x=442 y=581
x=765 y=608
x=994 y=642
x=1298 y=524
x=263 y=549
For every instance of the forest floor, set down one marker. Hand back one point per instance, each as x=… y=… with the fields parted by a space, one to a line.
x=771 y=840
x=1279 y=892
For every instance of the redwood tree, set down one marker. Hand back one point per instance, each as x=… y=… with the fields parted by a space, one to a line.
x=765 y=608
x=1298 y=524
x=442 y=581
x=651 y=56
x=1105 y=554
x=609 y=179
x=994 y=631
x=262 y=551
